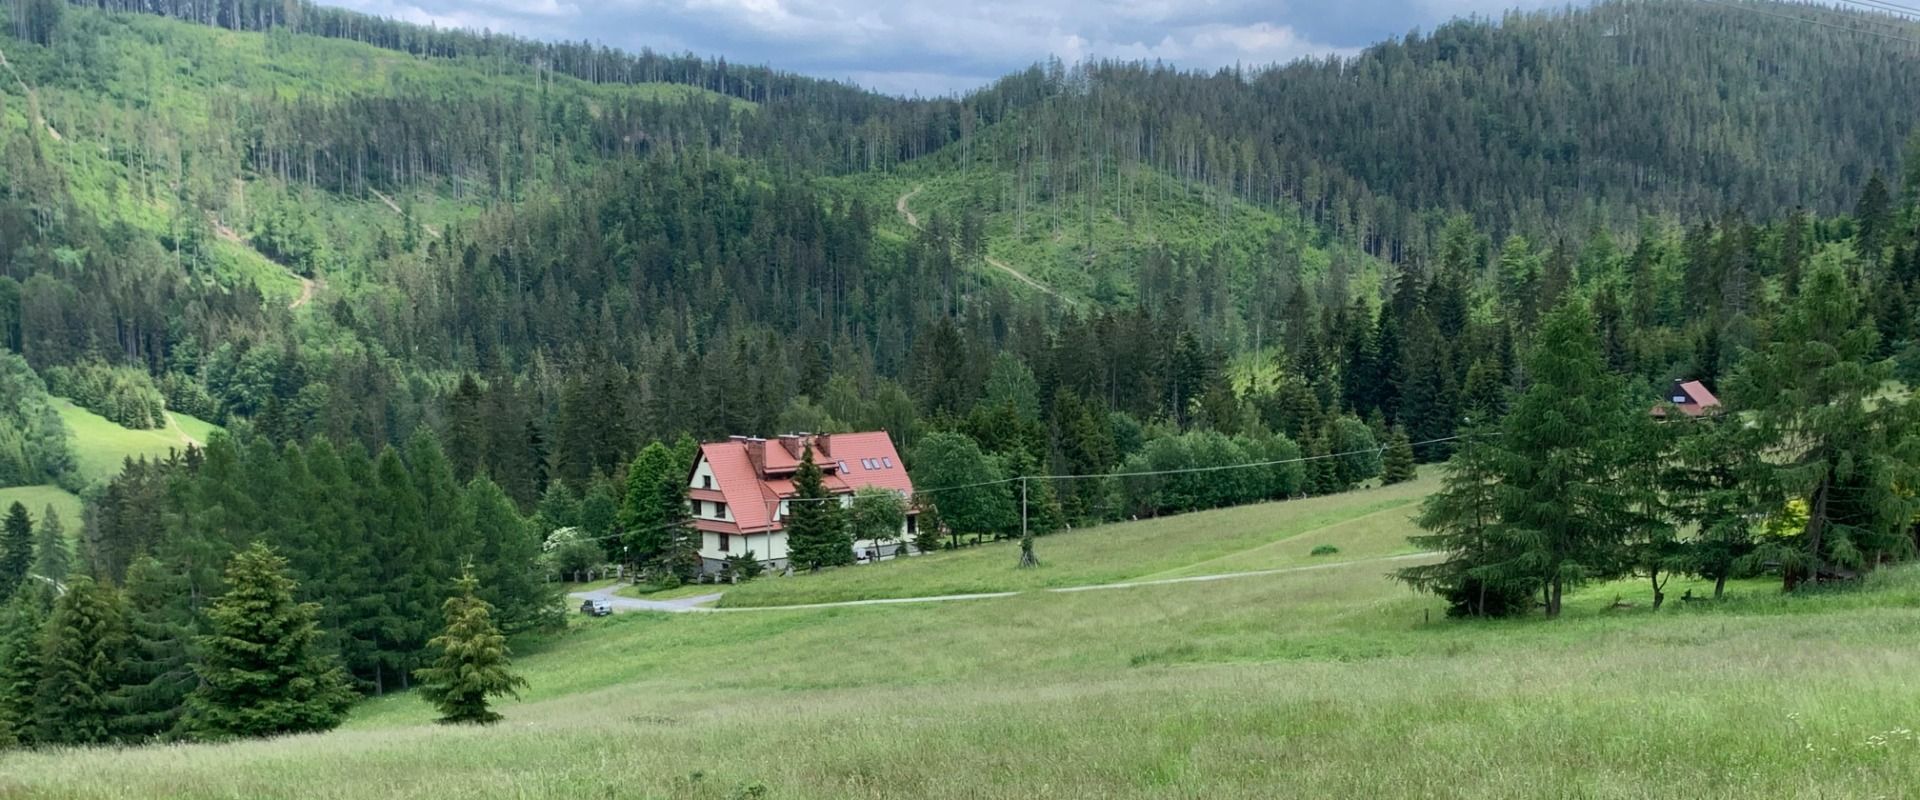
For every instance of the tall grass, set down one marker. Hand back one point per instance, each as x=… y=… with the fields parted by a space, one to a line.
x=1324 y=683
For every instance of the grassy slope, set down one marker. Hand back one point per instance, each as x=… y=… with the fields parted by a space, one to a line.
x=100 y=446
x=1313 y=684
x=1243 y=538
x=37 y=498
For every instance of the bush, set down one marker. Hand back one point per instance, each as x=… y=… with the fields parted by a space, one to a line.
x=124 y=395
x=744 y=565
x=1324 y=550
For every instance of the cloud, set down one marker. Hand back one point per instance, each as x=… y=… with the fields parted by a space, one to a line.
x=932 y=48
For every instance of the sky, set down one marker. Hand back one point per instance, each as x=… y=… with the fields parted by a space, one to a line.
x=916 y=47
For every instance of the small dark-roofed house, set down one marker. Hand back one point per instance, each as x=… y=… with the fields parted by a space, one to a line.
x=1692 y=398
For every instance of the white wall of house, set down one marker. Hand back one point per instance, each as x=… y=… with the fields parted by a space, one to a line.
x=765 y=546
x=710 y=509
x=703 y=476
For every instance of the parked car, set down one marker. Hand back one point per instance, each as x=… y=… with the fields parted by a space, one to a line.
x=598 y=608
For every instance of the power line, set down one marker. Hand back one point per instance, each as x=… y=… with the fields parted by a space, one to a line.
x=1809 y=20
x=1182 y=470
x=1886 y=6
x=1141 y=474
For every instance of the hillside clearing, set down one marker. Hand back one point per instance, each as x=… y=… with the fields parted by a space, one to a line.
x=100 y=446
x=38 y=498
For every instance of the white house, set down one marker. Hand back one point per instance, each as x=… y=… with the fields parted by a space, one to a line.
x=739 y=490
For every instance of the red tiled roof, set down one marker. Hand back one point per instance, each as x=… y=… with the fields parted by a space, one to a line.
x=1701 y=402
x=1701 y=397
x=854 y=449
x=752 y=491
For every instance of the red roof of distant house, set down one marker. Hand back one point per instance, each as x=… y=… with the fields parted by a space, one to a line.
x=1692 y=398
x=753 y=475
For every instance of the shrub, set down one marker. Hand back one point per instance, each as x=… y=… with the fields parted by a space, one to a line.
x=744 y=565
x=1324 y=550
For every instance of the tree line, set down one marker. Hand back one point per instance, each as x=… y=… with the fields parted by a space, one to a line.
x=1805 y=473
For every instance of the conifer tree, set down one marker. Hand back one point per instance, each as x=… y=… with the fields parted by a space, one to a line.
x=816 y=533
x=52 y=560
x=158 y=671
x=1484 y=572
x=401 y=584
x=21 y=622
x=1570 y=441
x=82 y=651
x=1397 y=464
x=1833 y=444
x=508 y=551
x=473 y=660
x=263 y=671
x=16 y=549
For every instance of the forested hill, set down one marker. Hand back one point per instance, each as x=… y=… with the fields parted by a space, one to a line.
x=271 y=209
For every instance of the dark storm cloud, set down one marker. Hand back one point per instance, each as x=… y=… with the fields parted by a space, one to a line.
x=936 y=48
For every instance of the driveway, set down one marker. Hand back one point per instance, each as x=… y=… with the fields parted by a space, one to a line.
x=636 y=604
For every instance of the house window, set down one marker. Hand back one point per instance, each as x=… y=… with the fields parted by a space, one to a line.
x=720 y=510
x=843 y=466
x=726 y=543
x=706 y=481
x=888 y=461
x=913 y=524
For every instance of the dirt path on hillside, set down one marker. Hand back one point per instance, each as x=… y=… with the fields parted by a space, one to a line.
x=431 y=231
x=307 y=285
x=913 y=221
x=174 y=425
x=692 y=604
x=32 y=98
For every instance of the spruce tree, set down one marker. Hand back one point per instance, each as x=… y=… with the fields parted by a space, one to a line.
x=816 y=533
x=262 y=670
x=1811 y=391
x=51 y=557
x=82 y=652
x=508 y=552
x=1397 y=464
x=1572 y=442
x=1485 y=572
x=21 y=622
x=159 y=670
x=16 y=549
x=473 y=660
x=401 y=585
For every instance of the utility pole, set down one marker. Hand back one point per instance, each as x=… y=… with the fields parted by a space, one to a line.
x=1027 y=558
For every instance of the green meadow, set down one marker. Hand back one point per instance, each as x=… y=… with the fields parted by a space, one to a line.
x=101 y=446
x=38 y=498
x=1331 y=681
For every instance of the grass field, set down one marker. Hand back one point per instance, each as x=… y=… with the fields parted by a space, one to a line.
x=1316 y=683
x=101 y=446
x=1229 y=540
x=37 y=498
